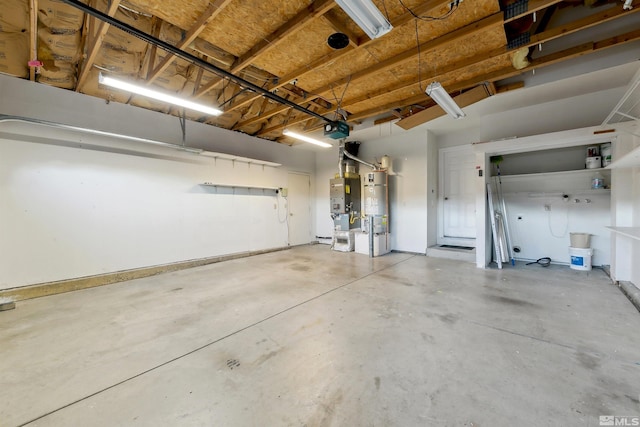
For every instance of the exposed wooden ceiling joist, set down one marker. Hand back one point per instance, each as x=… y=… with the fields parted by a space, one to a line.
x=532 y=7
x=452 y=37
x=439 y=42
x=316 y=9
x=230 y=56
x=95 y=39
x=581 y=24
x=549 y=35
x=33 y=37
x=486 y=56
x=205 y=18
x=573 y=52
x=508 y=72
x=428 y=7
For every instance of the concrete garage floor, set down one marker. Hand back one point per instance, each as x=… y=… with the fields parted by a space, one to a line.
x=310 y=337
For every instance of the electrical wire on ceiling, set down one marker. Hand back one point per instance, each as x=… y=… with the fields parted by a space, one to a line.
x=419 y=60
x=240 y=92
x=286 y=119
x=130 y=8
x=339 y=100
x=102 y=68
x=386 y=12
x=223 y=90
x=454 y=7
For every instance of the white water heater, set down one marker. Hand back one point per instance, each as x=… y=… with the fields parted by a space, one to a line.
x=376 y=210
x=375 y=196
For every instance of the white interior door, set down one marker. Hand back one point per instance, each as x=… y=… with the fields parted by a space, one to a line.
x=457 y=200
x=299 y=200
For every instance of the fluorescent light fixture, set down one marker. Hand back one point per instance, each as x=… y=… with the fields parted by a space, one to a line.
x=442 y=98
x=305 y=138
x=367 y=16
x=158 y=96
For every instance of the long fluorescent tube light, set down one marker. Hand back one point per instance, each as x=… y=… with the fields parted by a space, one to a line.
x=367 y=16
x=305 y=138
x=442 y=98
x=158 y=96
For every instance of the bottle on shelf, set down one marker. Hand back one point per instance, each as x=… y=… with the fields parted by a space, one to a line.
x=597 y=182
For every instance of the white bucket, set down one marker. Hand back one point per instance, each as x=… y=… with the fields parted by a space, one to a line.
x=580 y=240
x=594 y=162
x=580 y=258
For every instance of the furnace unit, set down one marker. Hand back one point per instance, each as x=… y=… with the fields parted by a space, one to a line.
x=345 y=200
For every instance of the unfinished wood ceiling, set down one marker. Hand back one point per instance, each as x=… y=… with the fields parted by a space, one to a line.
x=281 y=46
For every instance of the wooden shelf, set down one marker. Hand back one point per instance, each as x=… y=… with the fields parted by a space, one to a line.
x=629 y=160
x=632 y=232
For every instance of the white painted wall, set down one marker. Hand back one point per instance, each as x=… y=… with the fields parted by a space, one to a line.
x=543 y=233
x=326 y=166
x=414 y=153
x=625 y=213
x=432 y=189
x=635 y=248
x=521 y=121
x=407 y=189
x=25 y=98
x=69 y=212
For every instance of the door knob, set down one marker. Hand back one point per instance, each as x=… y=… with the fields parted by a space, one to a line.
x=446 y=198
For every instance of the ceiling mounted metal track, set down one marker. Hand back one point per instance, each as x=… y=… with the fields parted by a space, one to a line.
x=189 y=57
